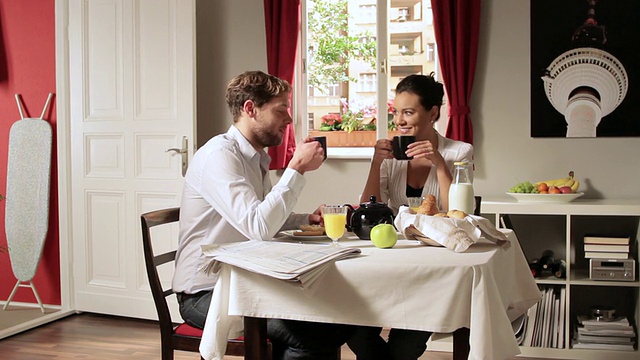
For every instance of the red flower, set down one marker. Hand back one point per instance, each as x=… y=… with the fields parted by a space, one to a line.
x=331 y=122
x=390 y=106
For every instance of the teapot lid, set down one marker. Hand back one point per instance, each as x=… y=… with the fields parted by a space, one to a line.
x=372 y=204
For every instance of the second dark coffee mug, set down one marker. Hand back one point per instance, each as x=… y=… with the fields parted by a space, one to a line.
x=400 y=144
x=323 y=141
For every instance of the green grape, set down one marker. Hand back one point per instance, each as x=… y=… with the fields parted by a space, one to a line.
x=524 y=187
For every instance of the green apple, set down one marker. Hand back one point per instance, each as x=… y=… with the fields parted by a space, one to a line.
x=384 y=236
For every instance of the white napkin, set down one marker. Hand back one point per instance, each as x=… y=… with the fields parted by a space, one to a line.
x=454 y=234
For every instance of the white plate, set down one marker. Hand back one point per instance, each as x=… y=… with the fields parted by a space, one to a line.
x=290 y=233
x=545 y=198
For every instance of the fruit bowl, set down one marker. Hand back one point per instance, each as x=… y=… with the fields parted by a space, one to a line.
x=545 y=198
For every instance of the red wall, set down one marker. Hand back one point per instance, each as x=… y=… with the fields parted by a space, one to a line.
x=27 y=67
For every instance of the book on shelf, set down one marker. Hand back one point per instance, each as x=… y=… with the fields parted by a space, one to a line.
x=605 y=339
x=561 y=327
x=617 y=322
x=610 y=240
x=520 y=326
x=606 y=248
x=531 y=322
x=606 y=332
x=605 y=255
x=538 y=328
x=579 y=345
x=546 y=321
x=555 y=321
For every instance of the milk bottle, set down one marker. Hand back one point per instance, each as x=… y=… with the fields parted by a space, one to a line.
x=461 y=195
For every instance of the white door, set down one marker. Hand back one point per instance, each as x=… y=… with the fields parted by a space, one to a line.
x=132 y=81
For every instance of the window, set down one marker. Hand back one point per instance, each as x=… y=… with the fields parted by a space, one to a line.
x=366 y=14
x=367 y=82
x=347 y=71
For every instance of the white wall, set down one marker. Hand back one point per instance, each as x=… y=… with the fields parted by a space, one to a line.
x=505 y=152
x=231 y=40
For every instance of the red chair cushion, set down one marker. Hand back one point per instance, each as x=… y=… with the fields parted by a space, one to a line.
x=188 y=330
x=185 y=329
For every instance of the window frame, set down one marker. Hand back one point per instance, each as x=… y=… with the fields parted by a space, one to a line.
x=382 y=70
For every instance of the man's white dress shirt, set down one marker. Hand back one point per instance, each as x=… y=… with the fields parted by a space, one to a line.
x=228 y=197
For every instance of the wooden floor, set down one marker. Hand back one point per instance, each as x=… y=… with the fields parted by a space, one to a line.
x=91 y=336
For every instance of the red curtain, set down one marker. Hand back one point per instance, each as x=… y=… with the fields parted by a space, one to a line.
x=282 y=20
x=457 y=27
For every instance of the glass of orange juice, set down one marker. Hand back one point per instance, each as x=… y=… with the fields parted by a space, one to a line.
x=335 y=221
x=415 y=202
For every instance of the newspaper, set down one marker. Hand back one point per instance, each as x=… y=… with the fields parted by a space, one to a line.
x=301 y=264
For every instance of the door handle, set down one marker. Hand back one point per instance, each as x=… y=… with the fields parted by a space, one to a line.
x=184 y=152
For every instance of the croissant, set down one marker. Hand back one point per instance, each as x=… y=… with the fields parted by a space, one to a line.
x=429 y=206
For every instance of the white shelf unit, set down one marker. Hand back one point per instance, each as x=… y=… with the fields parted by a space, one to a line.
x=561 y=227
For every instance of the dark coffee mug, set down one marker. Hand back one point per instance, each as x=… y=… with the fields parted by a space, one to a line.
x=400 y=144
x=323 y=141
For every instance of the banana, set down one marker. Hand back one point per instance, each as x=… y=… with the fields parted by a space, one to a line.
x=575 y=186
x=557 y=182
x=569 y=183
x=554 y=182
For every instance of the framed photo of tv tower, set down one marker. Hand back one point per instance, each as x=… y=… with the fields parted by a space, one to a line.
x=585 y=68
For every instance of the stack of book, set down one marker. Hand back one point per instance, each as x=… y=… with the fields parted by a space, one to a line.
x=600 y=247
x=614 y=334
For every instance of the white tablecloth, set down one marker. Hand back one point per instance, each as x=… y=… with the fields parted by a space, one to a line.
x=410 y=286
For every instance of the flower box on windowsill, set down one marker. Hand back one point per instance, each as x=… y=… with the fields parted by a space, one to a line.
x=365 y=138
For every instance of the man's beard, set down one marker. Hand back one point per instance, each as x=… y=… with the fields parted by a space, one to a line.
x=267 y=137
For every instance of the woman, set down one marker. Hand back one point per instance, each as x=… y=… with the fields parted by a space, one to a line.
x=416 y=109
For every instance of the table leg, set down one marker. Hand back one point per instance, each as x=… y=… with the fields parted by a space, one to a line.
x=255 y=338
x=461 y=344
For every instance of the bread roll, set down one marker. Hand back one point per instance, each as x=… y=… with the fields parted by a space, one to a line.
x=458 y=214
x=310 y=230
x=308 y=233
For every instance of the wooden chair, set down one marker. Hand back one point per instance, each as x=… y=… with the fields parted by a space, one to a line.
x=173 y=336
x=478 y=202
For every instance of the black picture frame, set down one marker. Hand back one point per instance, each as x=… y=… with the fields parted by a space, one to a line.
x=553 y=23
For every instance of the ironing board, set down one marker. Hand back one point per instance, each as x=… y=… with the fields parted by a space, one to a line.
x=27 y=196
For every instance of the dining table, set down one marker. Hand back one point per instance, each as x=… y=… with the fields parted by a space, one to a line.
x=475 y=294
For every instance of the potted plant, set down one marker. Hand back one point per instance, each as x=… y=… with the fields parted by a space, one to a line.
x=357 y=122
x=355 y=126
x=331 y=122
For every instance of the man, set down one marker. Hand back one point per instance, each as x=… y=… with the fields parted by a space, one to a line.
x=228 y=197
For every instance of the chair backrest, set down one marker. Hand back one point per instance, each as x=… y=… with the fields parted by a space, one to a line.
x=478 y=203
x=152 y=261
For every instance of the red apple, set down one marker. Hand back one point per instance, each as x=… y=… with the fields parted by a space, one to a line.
x=566 y=190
